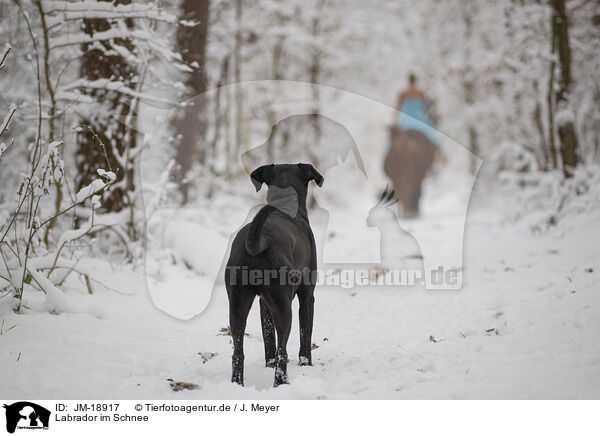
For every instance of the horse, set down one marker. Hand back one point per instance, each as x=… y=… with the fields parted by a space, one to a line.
x=409 y=157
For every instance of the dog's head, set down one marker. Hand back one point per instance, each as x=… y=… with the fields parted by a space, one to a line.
x=288 y=184
x=286 y=175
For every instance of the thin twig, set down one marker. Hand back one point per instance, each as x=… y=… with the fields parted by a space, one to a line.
x=4 y=57
x=37 y=150
x=82 y=273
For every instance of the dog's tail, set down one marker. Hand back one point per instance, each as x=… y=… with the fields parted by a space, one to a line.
x=256 y=243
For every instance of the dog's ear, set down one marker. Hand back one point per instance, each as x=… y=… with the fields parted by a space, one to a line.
x=262 y=175
x=311 y=174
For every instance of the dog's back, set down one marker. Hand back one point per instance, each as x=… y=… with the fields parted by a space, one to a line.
x=273 y=240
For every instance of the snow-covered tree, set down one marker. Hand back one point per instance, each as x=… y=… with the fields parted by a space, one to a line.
x=190 y=124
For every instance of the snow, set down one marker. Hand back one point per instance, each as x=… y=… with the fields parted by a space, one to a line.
x=108 y=175
x=564 y=115
x=71 y=235
x=524 y=324
x=88 y=190
x=109 y=85
x=61 y=11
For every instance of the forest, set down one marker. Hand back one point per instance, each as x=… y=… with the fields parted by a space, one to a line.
x=128 y=130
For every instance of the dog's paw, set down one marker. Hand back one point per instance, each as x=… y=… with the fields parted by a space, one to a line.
x=281 y=377
x=238 y=379
x=281 y=381
x=270 y=363
x=304 y=361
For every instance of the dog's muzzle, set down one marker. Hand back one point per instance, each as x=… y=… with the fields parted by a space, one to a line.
x=284 y=199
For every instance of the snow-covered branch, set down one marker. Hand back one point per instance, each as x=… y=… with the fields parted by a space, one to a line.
x=109 y=85
x=4 y=54
x=62 y=11
x=7 y=118
x=110 y=34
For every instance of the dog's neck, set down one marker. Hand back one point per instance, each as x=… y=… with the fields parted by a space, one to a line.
x=289 y=201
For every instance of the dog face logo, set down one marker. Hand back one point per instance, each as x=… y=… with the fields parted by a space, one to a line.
x=26 y=415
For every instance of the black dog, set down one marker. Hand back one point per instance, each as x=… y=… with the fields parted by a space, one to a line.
x=274 y=257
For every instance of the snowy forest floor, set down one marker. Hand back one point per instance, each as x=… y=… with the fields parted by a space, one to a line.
x=524 y=325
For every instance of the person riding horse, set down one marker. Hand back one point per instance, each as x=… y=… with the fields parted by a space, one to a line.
x=412 y=148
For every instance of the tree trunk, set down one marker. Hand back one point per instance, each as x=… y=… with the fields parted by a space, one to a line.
x=271 y=113
x=315 y=72
x=551 y=141
x=237 y=77
x=51 y=115
x=190 y=126
x=105 y=140
x=219 y=113
x=469 y=90
x=566 y=128
x=544 y=161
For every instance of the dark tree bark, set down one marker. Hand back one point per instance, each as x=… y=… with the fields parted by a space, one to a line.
x=219 y=113
x=544 y=162
x=190 y=126
x=237 y=78
x=551 y=96
x=315 y=75
x=105 y=139
x=566 y=129
x=469 y=92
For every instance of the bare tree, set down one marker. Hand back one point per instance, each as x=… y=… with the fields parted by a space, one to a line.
x=237 y=77
x=550 y=103
x=191 y=125
x=564 y=118
x=469 y=87
x=105 y=139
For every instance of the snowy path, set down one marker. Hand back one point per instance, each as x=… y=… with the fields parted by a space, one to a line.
x=539 y=294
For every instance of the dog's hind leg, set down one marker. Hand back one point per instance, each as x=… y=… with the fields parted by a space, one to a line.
x=307 y=307
x=240 y=302
x=268 y=331
x=282 y=316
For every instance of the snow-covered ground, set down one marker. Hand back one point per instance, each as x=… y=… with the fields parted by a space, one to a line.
x=524 y=325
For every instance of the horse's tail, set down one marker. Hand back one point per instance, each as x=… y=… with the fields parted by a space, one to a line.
x=256 y=243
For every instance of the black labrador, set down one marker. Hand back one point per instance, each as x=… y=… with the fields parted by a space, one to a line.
x=274 y=257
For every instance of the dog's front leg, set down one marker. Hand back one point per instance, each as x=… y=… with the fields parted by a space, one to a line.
x=307 y=305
